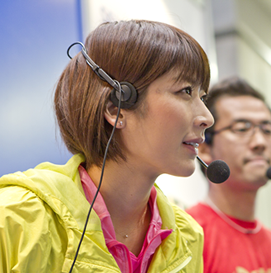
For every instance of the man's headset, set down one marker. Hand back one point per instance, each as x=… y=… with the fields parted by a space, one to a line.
x=208 y=137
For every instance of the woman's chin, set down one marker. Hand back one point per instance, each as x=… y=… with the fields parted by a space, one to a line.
x=185 y=171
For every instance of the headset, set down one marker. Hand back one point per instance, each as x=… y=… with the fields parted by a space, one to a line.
x=122 y=91
x=208 y=137
x=123 y=95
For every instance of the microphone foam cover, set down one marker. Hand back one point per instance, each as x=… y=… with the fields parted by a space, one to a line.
x=268 y=173
x=218 y=171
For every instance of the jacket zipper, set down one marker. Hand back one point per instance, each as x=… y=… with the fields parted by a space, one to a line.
x=182 y=265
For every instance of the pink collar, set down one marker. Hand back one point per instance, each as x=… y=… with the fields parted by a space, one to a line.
x=153 y=239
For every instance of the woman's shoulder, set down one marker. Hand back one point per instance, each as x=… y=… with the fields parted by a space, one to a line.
x=57 y=187
x=13 y=196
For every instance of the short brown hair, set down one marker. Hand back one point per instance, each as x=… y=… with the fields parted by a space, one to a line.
x=229 y=87
x=136 y=51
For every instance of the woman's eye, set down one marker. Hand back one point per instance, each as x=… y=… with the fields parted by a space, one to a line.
x=187 y=90
x=204 y=99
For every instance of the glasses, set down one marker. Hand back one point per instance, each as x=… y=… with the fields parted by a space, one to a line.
x=245 y=128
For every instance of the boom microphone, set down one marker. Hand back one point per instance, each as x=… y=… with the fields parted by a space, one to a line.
x=268 y=173
x=218 y=171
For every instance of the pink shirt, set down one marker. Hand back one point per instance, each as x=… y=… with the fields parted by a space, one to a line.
x=126 y=260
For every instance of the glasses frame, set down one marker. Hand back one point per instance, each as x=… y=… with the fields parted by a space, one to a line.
x=252 y=127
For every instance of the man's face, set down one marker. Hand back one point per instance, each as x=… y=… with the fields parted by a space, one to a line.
x=247 y=153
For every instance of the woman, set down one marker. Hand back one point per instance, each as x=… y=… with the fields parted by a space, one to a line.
x=132 y=226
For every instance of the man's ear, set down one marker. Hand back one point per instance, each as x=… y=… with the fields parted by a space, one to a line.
x=110 y=115
x=205 y=153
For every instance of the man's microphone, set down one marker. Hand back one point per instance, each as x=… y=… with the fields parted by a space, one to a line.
x=268 y=173
x=218 y=171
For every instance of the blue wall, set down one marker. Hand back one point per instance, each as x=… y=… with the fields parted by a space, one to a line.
x=35 y=35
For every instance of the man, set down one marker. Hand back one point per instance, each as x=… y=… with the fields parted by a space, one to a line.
x=235 y=242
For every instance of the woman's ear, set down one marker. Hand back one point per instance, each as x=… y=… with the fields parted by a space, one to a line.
x=110 y=115
x=205 y=153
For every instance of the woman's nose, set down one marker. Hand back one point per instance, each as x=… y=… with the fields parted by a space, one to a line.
x=204 y=118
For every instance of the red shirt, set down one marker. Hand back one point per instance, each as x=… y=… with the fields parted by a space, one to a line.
x=125 y=259
x=226 y=249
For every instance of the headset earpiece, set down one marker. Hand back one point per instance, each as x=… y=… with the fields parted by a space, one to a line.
x=128 y=97
x=129 y=94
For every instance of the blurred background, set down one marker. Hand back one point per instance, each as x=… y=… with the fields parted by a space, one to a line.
x=35 y=36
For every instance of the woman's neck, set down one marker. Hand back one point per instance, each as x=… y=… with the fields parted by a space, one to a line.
x=126 y=195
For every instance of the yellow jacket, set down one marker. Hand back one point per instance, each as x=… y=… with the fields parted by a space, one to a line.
x=42 y=215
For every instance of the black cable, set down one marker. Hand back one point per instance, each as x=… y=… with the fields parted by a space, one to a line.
x=115 y=84
x=100 y=183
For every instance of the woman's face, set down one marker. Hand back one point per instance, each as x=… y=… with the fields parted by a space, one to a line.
x=165 y=139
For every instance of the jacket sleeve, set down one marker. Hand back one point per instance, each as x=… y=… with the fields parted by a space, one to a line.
x=31 y=236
